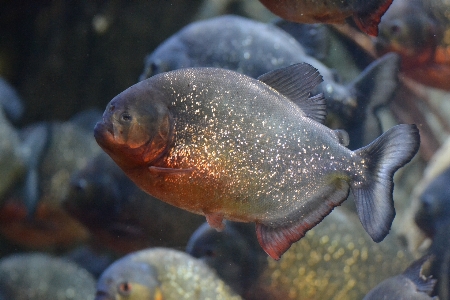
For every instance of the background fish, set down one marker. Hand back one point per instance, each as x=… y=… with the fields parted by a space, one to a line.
x=432 y=217
x=410 y=285
x=122 y=216
x=254 y=48
x=40 y=276
x=197 y=138
x=365 y=14
x=416 y=30
x=335 y=260
x=13 y=156
x=233 y=252
x=33 y=215
x=161 y=273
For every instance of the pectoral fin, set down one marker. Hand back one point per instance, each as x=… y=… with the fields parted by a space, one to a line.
x=170 y=170
x=215 y=220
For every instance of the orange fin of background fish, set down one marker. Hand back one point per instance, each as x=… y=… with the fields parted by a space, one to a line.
x=369 y=13
x=215 y=220
x=442 y=55
x=170 y=170
x=296 y=83
x=275 y=240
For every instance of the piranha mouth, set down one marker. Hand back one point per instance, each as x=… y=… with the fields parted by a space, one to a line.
x=103 y=134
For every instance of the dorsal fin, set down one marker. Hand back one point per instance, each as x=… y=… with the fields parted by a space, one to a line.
x=296 y=83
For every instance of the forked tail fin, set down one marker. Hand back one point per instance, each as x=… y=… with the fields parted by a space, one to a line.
x=383 y=157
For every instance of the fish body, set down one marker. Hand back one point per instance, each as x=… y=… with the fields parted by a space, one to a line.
x=161 y=274
x=418 y=31
x=227 y=146
x=365 y=14
x=254 y=48
x=410 y=285
x=40 y=276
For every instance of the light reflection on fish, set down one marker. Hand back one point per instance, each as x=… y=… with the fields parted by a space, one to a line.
x=227 y=146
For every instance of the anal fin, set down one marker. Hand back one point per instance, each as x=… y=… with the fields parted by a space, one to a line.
x=277 y=238
x=215 y=220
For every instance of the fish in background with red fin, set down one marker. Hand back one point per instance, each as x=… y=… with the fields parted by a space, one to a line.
x=418 y=31
x=366 y=14
x=224 y=145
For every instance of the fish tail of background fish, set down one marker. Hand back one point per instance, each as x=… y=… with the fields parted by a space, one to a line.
x=368 y=14
x=37 y=139
x=373 y=88
x=373 y=192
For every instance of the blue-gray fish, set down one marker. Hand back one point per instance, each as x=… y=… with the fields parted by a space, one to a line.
x=410 y=285
x=227 y=146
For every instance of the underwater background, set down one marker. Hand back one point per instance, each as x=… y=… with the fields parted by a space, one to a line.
x=69 y=216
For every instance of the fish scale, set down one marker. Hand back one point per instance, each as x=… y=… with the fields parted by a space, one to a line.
x=198 y=143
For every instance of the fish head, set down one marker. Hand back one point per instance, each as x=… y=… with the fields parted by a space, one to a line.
x=406 y=29
x=95 y=192
x=126 y=279
x=434 y=205
x=171 y=55
x=136 y=126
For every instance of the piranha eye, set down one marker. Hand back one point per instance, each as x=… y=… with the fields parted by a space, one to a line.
x=396 y=28
x=126 y=117
x=124 y=288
